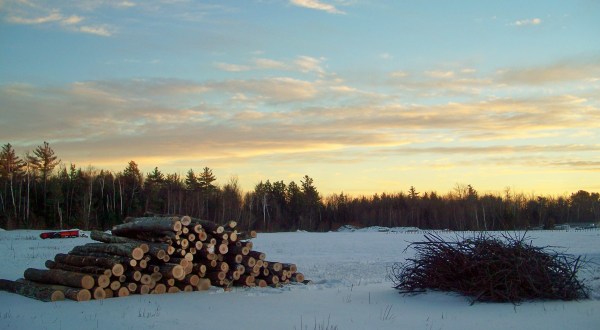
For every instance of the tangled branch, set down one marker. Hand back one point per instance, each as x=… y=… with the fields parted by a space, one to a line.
x=490 y=269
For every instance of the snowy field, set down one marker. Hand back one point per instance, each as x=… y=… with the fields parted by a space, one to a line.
x=350 y=290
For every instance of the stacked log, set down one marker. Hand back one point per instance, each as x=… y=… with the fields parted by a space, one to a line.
x=155 y=255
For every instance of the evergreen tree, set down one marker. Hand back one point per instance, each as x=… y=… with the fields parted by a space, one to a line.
x=11 y=168
x=44 y=161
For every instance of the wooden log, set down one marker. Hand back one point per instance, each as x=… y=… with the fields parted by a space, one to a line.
x=173 y=289
x=108 y=293
x=131 y=286
x=148 y=224
x=186 y=220
x=77 y=294
x=248 y=261
x=185 y=287
x=199 y=269
x=215 y=276
x=102 y=281
x=246 y=280
x=233 y=236
x=115 y=285
x=243 y=250
x=196 y=228
x=234 y=258
x=247 y=244
x=100 y=236
x=234 y=274
x=170 y=270
x=208 y=226
x=58 y=276
x=275 y=266
x=130 y=250
x=143 y=289
x=83 y=269
x=246 y=235
x=290 y=267
x=99 y=293
x=158 y=250
x=122 y=292
x=260 y=282
x=146 y=279
x=32 y=291
x=159 y=289
x=297 y=278
x=114 y=264
x=204 y=284
x=191 y=279
x=125 y=261
x=257 y=255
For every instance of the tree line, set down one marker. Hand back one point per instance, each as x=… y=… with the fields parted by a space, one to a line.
x=38 y=191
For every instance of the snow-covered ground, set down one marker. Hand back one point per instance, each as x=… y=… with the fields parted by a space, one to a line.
x=350 y=290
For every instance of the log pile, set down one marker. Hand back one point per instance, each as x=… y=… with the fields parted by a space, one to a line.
x=155 y=255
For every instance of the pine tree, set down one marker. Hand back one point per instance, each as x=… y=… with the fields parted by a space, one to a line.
x=11 y=166
x=44 y=161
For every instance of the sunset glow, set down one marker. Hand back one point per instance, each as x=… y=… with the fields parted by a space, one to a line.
x=363 y=96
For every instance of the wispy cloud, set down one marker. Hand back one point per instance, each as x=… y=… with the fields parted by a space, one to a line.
x=38 y=13
x=566 y=70
x=317 y=5
x=305 y=64
x=527 y=22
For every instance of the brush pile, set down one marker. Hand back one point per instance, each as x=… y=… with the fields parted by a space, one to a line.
x=154 y=255
x=490 y=269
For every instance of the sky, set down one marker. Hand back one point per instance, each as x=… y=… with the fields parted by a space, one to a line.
x=362 y=96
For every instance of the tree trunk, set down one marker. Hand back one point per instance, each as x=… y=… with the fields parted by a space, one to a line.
x=77 y=294
x=153 y=224
x=57 y=276
x=114 y=265
x=130 y=250
x=31 y=291
x=92 y=270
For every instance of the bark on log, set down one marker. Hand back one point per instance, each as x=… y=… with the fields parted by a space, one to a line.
x=100 y=236
x=30 y=291
x=77 y=294
x=153 y=224
x=130 y=250
x=79 y=269
x=115 y=265
x=127 y=262
x=57 y=276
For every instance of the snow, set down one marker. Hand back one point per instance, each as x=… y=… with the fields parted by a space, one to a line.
x=350 y=290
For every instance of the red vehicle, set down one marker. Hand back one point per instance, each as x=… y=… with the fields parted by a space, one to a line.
x=60 y=234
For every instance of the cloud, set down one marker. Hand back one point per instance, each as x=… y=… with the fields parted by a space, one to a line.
x=232 y=67
x=440 y=74
x=53 y=16
x=309 y=64
x=304 y=64
x=317 y=5
x=567 y=70
x=527 y=22
x=36 y=13
x=103 y=31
